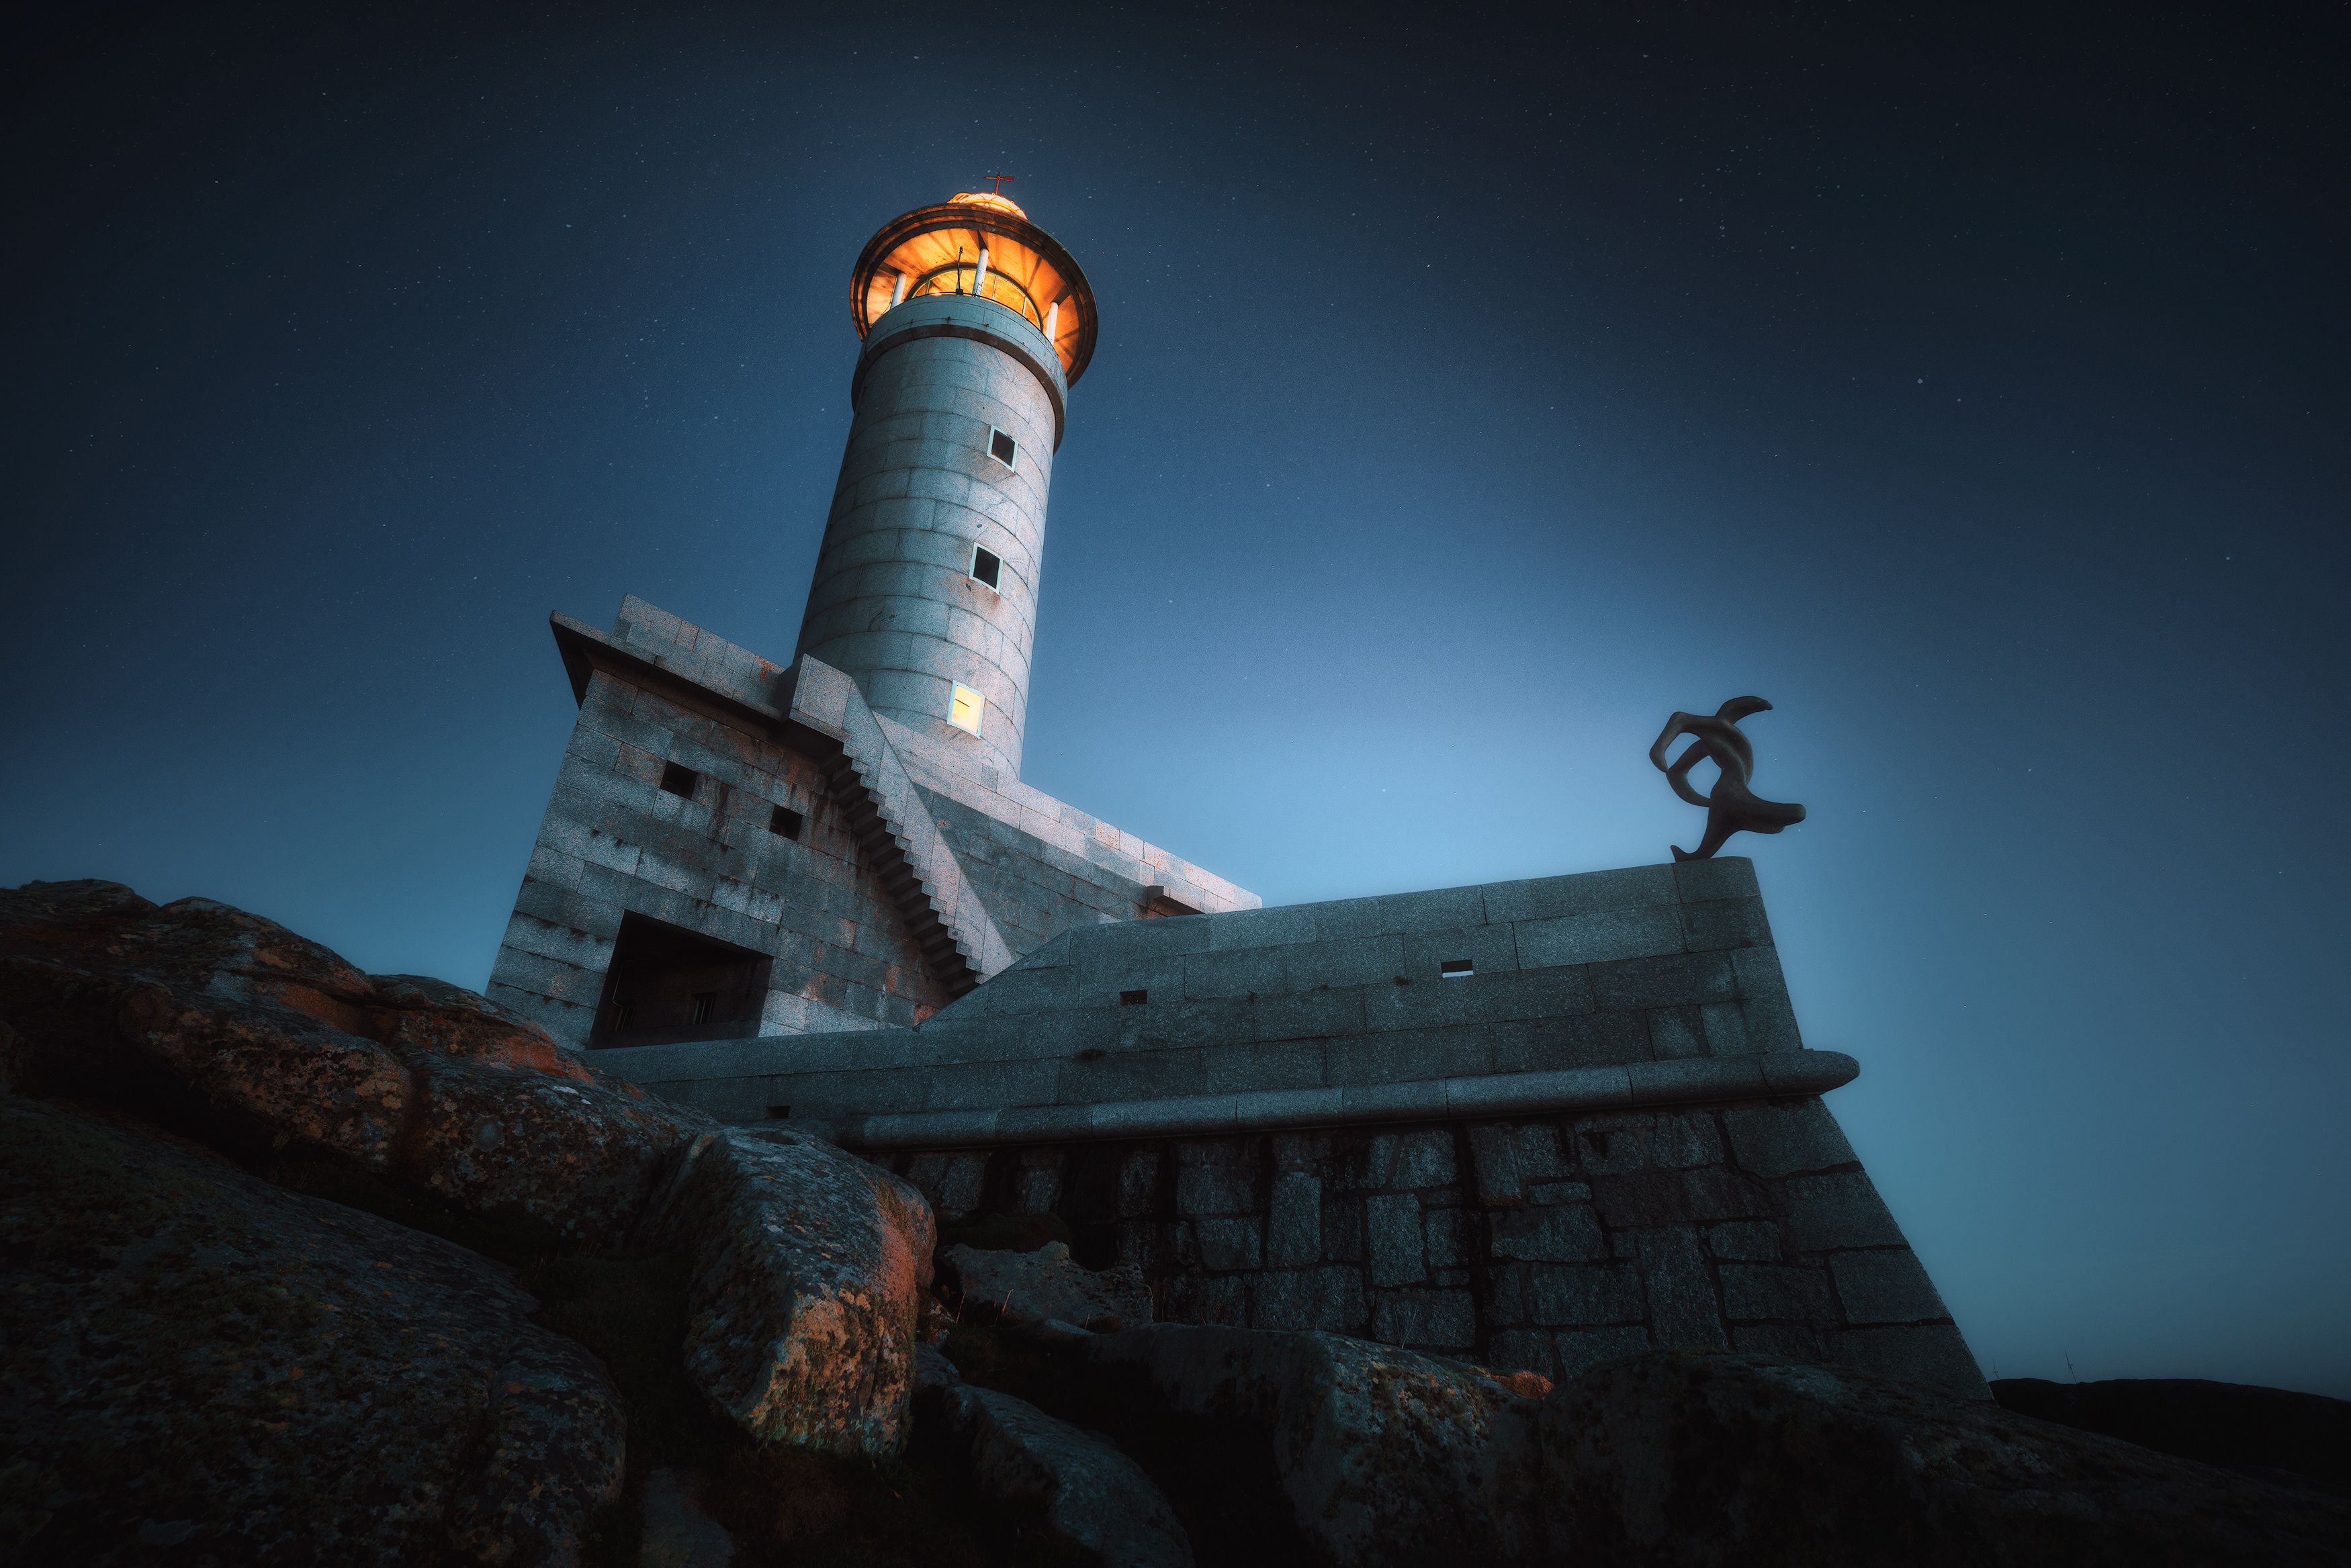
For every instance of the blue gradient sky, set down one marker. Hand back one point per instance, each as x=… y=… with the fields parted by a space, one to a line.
x=1468 y=397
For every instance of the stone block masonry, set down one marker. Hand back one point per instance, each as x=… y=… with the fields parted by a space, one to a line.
x=1545 y=1244
x=1539 y=1124
x=735 y=848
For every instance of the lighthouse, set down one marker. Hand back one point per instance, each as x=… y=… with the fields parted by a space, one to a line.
x=976 y=324
x=737 y=847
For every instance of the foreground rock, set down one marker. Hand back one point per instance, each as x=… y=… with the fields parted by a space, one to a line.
x=234 y=1030
x=1047 y=1285
x=203 y=1367
x=808 y=1271
x=231 y=1030
x=1695 y=1462
x=1384 y=1456
x=1092 y=1496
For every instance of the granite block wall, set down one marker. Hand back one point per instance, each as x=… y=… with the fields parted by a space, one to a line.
x=842 y=954
x=1547 y=1244
x=614 y=842
x=1627 y=985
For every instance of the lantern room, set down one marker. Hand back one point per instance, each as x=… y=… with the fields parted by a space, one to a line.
x=980 y=244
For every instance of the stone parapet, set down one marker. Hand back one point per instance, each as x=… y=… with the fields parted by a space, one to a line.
x=1655 y=984
x=1265 y=1110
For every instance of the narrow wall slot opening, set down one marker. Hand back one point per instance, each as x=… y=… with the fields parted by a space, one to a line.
x=985 y=567
x=1457 y=969
x=1132 y=998
x=678 y=781
x=779 y=1112
x=1003 y=447
x=786 y=823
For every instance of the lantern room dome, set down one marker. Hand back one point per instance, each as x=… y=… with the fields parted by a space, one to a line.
x=996 y=199
x=982 y=244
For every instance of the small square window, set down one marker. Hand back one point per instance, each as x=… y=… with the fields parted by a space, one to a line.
x=1457 y=969
x=1003 y=448
x=705 y=1003
x=677 y=779
x=786 y=823
x=964 y=708
x=985 y=567
x=1132 y=998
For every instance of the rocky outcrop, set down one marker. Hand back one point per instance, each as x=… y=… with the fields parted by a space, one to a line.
x=807 y=1262
x=203 y=1367
x=808 y=1266
x=1384 y=1456
x=231 y=1027
x=1090 y=1495
x=1049 y=1285
x=1707 y=1461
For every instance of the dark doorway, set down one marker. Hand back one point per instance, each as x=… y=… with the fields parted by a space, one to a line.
x=667 y=983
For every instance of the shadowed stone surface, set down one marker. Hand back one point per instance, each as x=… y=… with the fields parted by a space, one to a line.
x=1710 y=1461
x=1094 y=1496
x=201 y=1362
x=1030 y=1287
x=1383 y=1453
x=678 y=1534
x=808 y=1267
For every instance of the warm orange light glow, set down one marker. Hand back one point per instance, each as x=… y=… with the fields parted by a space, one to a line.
x=938 y=249
x=984 y=199
x=964 y=708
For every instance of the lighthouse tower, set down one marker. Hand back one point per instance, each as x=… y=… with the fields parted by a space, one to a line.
x=737 y=847
x=976 y=325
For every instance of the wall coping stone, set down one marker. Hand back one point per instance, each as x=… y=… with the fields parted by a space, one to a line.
x=1637 y=1086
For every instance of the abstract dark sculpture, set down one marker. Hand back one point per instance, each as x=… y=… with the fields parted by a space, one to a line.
x=1732 y=807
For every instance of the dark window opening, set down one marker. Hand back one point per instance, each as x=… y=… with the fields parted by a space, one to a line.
x=1457 y=969
x=779 y=1112
x=1132 y=998
x=985 y=567
x=676 y=780
x=665 y=983
x=1001 y=448
x=786 y=823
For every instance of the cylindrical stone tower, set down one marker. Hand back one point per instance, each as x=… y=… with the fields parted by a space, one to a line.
x=976 y=324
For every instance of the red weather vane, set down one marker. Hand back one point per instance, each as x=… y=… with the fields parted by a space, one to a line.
x=1000 y=181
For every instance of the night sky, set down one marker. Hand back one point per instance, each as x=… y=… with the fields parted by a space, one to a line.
x=1472 y=392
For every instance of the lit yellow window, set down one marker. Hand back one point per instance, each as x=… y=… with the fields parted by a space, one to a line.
x=964 y=710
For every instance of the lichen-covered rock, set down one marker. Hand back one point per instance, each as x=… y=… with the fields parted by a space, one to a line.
x=1091 y=1495
x=234 y=1030
x=1685 y=1460
x=203 y=1367
x=808 y=1267
x=197 y=1009
x=1049 y=1285
x=581 y=1155
x=1386 y=1456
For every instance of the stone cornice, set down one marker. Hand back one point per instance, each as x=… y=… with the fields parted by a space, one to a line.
x=1771 y=1075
